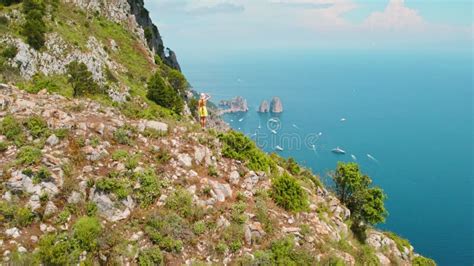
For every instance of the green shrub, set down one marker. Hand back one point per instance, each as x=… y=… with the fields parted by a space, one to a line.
x=212 y=171
x=58 y=250
x=366 y=256
x=61 y=133
x=42 y=175
x=402 y=243
x=261 y=213
x=180 y=201
x=7 y=211
x=11 y=128
x=123 y=136
x=119 y=155
x=233 y=236
x=110 y=76
x=28 y=155
x=199 y=227
x=23 y=217
x=238 y=213
x=151 y=256
x=292 y=166
x=91 y=209
x=423 y=261
x=81 y=79
x=284 y=252
x=150 y=188
x=237 y=146
x=3 y=146
x=4 y=21
x=221 y=248
x=164 y=95
x=119 y=186
x=162 y=156
x=34 y=28
x=177 y=81
x=9 y=52
x=86 y=231
x=288 y=193
x=148 y=34
x=166 y=230
x=37 y=126
x=63 y=216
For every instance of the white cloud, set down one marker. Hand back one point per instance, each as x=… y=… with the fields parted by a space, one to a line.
x=395 y=17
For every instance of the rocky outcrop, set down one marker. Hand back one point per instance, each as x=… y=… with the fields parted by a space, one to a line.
x=276 y=105
x=235 y=105
x=134 y=15
x=264 y=107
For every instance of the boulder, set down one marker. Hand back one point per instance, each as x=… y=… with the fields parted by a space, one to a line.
x=185 y=160
x=34 y=203
x=234 y=177
x=158 y=126
x=107 y=208
x=50 y=209
x=13 y=232
x=52 y=140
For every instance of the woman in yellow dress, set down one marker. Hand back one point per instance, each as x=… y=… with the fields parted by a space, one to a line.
x=202 y=109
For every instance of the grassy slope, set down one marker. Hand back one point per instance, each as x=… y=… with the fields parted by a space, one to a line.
x=75 y=27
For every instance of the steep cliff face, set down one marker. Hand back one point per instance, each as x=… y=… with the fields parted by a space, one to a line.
x=135 y=16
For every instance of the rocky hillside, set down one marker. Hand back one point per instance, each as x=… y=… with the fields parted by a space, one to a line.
x=102 y=162
x=146 y=190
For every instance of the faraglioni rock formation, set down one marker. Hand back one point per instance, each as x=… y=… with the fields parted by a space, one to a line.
x=235 y=105
x=276 y=106
x=264 y=107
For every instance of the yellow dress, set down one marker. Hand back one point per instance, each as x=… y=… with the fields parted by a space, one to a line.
x=202 y=108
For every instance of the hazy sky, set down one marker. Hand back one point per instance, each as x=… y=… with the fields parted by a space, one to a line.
x=204 y=26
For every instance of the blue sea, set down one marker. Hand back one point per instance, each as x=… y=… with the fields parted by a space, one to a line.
x=411 y=111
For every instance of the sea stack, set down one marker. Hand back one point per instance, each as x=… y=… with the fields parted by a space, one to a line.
x=276 y=106
x=264 y=107
x=235 y=105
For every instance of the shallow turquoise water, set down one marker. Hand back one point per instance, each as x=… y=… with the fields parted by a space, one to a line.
x=411 y=111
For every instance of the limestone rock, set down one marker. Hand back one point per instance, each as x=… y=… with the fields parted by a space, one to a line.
x=185 y=160
x=12 y=232
x=264 y=107
x=50 y=209
x=235 y=105
x=276 y=105
x=107 y=208
x=52 y=140
x=234 y=177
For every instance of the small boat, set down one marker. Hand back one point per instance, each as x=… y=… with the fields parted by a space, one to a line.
x=278 y=148
x=273 y=120
x=274 y=131
x=295 y=126
x=372 y=158
x=338 y=150
x=343 y=119
x=354 y=157
x=241 y=119
x=320 y=134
